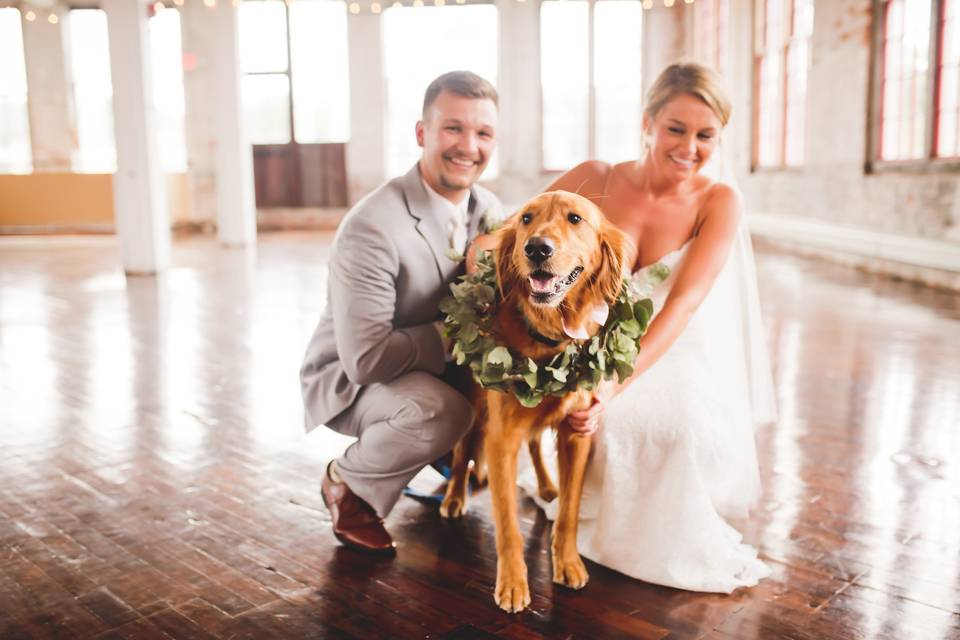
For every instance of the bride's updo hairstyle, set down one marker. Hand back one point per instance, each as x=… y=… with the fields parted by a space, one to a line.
x=695 y=79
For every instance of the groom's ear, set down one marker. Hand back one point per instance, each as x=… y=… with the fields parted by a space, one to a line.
x=419 y=131
x=503 y=256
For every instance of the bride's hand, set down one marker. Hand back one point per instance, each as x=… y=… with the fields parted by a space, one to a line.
x=587 y=422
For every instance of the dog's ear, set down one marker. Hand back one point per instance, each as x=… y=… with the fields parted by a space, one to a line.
x=503 y=256
x=614 y=245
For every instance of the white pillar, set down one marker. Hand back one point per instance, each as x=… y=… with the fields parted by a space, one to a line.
x=520 y=132
x=197 y=22
x=139 y=192
x=49 y=99
x=665 y=34
x=236 y=207
x=366 y=150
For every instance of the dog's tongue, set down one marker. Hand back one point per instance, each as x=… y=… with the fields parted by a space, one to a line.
x=541 y=284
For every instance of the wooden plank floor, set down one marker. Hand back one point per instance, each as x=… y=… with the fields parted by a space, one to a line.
x=155 y=481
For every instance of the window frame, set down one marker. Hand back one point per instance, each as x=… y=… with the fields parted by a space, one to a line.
x=30 y=162
x=591 y=86
x=288 y=74
x=929 y=162
x=759 y=49
x=717 y=56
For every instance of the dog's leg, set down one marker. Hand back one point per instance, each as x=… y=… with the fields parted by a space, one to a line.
x=573 y=451
x=512 y=593
x=479 y=460
x=545 y=487
x=454 y=503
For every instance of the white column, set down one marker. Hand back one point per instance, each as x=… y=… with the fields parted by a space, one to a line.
x=520 y=132
x=49 y=99
x=197 y=22
x=366 y=150
x=139 y=194
x=236 y=207
x=665 y=33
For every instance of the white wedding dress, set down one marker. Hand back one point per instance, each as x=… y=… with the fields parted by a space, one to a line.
x=676 y=452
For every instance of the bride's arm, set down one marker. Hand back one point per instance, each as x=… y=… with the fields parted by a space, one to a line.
x=705 y=258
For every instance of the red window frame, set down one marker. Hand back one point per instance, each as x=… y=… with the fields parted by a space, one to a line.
x=784 y=116
x=934 y=104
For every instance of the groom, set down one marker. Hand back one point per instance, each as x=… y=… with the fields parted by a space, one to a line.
x=374 y=367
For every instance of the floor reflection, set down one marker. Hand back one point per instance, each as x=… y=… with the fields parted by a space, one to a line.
x=156 y=423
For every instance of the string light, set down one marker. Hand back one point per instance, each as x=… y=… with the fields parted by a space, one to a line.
x=375 y=7
x=439 y=3
x=648 y=4
x=354 y=8
x=53 y=19
x=688 y=1
x=30 y=16
x=179 y=3
x=397 y=4
x=158 y=6
x=418 y=3
x=668 y=3
x=211 y=4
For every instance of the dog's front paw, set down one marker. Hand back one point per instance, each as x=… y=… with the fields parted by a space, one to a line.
x=512 y=593
x=570 y=571
x=453 y=507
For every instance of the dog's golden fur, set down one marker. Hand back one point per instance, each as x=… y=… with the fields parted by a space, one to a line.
x=503 y=424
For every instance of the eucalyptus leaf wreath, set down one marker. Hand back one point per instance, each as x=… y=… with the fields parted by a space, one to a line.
x=582 y=364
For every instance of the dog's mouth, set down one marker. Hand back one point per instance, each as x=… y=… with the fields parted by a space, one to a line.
x=547 y=288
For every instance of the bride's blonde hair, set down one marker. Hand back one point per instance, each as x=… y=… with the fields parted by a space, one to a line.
x=693 y=78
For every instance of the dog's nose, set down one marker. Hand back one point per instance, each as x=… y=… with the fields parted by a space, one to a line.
x=538 y=249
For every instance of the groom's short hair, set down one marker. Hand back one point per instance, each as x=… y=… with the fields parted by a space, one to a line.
x=462 y=83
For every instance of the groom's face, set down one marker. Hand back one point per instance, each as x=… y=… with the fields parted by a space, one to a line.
x=458 y=136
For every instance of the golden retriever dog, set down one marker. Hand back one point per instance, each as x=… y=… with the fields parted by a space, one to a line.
x=557 y=261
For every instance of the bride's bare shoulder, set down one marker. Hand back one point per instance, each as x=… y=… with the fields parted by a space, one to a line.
x=587 y=179
x=720 y=200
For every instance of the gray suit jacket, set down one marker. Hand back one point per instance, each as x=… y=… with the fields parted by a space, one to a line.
x=388 y=273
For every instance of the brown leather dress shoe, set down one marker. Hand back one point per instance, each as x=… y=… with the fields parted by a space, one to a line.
x=355 y=523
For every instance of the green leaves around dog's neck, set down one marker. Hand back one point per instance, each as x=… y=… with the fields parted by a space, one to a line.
x=469 y=314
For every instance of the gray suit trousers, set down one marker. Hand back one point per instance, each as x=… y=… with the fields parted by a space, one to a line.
x=402 y=426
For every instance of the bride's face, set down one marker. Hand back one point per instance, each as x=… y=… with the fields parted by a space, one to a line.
x=683 y=136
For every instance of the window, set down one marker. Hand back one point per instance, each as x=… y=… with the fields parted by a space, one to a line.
x=782 y=61
x=590 y=110
x=89 y=52
x=419 y=44
x=310 y=65
x=92 y=91
x=616 y=79
x=948 y=73
x=15 y=153
x=711 y=20
x=917 y=110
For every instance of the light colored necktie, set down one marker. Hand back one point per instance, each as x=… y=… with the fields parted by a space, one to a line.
x=458 y=231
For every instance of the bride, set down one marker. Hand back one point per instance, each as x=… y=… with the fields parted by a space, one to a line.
x=675 y=454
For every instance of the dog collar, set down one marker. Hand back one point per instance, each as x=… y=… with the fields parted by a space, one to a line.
x=539 y=337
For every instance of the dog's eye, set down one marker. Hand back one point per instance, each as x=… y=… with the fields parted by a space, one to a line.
x=573 y=218
x=526 y=218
